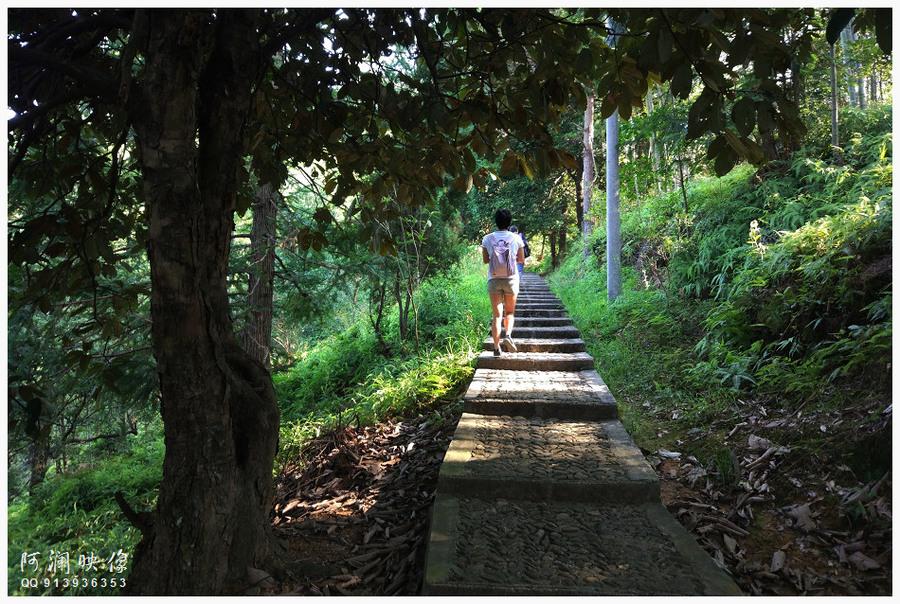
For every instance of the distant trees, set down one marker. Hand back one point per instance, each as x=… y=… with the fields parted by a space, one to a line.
x=137 y=130
x=587 y=178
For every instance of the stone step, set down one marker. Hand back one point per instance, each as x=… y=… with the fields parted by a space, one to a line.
x=544 y=460
x=539 y=305
x=540 y=312
x=542 y=321
x=536 y=361
x=554 y=331
x=567 y=395
x=542 y=344
x=537 y=297
x=502 y=547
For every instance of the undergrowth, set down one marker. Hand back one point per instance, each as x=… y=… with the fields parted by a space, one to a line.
x=340 y=380
x=772 y=284
x=346 y=379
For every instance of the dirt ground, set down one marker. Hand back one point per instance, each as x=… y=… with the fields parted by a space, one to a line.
x=781 y=516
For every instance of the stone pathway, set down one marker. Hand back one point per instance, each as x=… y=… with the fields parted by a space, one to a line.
x=543 y=492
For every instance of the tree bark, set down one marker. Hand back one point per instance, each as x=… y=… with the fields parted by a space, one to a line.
x=579 y=209
x=38 y=457
x=835 y=140
x=587 y=178
x=256 y=336
x=681 y=184
x=218 y=406
x=562 y=239
x=860 y=87
x=613 y=234
x=654 y=148
x=554 y=261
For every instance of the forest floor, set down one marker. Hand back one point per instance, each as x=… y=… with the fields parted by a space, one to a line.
x=354 y=511
x=777 y=502
x=783 y=520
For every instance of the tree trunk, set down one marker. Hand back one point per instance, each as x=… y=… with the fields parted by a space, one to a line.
x=857 y=68
x=403 y=316
x=256 y=336
x=211 y=523
x=587 y=178
x=681 y=181
x=613 y=234
x=579 y=209
x=834 y=100
x=654 y=148
x=554 y=261
x=38 y=457
x=562 y=239
x=845 y=40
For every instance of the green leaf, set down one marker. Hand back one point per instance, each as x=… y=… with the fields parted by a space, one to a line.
x=725 y=161
x=682 y=80
x=664 y=45
x=744 y=115
x=525 y=167
x=568 y=160
x=837 y=22
x=608 y=106
x=323 y=216
x=463 y=184
x=883 y=29
x=509 y=165
x=715 y=147
x=335 y=135
x=764 y=117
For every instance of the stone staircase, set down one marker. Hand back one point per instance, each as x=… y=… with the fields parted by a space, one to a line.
x=542 y=491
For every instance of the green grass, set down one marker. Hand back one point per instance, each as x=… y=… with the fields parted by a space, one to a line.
x=340 y=380
x=344 y=379
x=776 y=286
x=76 y=514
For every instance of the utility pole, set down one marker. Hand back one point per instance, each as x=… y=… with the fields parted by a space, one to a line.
x=613 y=229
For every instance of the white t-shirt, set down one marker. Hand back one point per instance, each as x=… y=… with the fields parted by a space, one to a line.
x=512 y=239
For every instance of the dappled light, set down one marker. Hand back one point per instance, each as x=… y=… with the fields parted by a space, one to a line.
x=449 y=301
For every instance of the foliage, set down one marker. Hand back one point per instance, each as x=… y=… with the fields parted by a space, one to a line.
x=344 y=379
x=75 y=513
x=775 y=282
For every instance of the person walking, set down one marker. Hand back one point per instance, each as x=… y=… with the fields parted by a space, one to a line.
x=502 y=250
x=524 y=244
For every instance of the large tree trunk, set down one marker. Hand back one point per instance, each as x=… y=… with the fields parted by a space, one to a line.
x=210 y=526
x=257 y=334
x=587 y=176
x=38 y=457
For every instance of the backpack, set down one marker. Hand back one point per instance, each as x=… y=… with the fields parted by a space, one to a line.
x=502 y=260
x=527 y=249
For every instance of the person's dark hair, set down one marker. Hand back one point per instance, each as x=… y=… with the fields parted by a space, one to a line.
x=513 y=229
x=503 y=218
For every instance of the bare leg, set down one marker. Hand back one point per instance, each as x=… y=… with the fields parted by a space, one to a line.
x=509 y=305
x=497 y=310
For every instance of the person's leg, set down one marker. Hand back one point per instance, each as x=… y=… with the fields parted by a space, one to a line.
x=509 y=309
x=504 y=291
x=497 y=310
x=510 y=294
